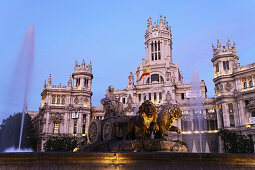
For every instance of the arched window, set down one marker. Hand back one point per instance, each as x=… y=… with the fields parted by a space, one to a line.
x=154 y=77
x=158 y=45
x=250 y=83
x=53 y=100
x=63 y=101
x=58 y=100
x=152 y=47
x=161 y=79
x=245 y=85
x=155 y=46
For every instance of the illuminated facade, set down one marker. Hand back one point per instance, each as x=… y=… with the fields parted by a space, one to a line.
x=234 y=90
x=67 y=109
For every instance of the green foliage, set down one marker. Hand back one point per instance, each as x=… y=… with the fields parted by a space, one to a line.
x=60 y=144
x=236 y=143
x=10 y=132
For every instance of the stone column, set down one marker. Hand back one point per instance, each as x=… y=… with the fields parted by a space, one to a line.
x=46 y=126
x=225 y=115
x=87 y=122
x=82 y=82
x=74 y=82
x=241 y=112
x=219 y=122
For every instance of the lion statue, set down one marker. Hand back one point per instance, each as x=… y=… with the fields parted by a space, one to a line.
x=165 y=120
x=142 y=125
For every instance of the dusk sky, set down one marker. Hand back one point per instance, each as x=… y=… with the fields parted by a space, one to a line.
x=111 y=35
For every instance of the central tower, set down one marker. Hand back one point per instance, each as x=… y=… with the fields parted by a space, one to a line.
x=158 y=42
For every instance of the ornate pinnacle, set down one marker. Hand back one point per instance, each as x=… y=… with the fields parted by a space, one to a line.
x=83 y=64
x=228 y=44
x=69 y=83
x=218 y=45
x=49 y=80
x=76 y=63
x=44 y=85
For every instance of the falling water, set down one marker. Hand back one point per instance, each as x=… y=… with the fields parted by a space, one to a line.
x=196 y=102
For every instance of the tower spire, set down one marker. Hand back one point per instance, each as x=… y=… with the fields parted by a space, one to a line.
x=83 y=64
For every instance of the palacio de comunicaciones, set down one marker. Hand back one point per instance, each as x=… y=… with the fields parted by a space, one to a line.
x=67 y=109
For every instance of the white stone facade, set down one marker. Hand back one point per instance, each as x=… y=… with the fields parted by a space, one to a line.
x=65 y=110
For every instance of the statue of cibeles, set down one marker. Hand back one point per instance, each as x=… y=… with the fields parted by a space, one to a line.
x=112 y=106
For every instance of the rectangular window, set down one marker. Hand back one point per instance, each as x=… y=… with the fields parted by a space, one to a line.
x=74 y=128
x=152 y=56
x=160 y=96
x=159 y=46
x=56 y=128
x=86 y=82
x=155 y=46
x=155 y=96
x=159 y=55
x=156 y=56
x=78 y=82
x=144 y=97
x=182 y=96
x=139 y=97
x=253 y=113
x=123 y=100
x=225 y=65
x=232 y=120
x=83 y=130
x=217 y=67
x=151 y=47
x=149 y=96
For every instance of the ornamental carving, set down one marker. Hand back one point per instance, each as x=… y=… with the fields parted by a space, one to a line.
x=76 y=100
x=56 y=117
x=228 y=87
x=168 y=97
x=220 y=87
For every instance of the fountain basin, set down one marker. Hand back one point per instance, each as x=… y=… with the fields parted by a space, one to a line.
x=148 y=160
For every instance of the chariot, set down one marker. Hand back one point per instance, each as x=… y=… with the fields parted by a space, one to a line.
x=114 y=127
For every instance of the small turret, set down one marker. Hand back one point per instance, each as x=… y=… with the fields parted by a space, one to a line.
x=224 y=51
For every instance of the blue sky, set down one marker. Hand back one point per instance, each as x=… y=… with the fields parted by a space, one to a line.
x=111 y=35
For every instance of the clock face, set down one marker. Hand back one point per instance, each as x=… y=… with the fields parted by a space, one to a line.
x=155 y=34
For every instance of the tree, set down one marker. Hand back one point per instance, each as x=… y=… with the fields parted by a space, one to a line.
x=10 y=132
x=60 y=144
x=236 y=143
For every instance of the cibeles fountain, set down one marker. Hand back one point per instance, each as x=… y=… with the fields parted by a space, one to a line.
x=145 y=131
x=122 y=142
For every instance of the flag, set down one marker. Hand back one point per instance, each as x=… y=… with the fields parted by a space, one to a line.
x=146 y=72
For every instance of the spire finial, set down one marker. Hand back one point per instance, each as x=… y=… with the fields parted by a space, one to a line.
x=44 y=85
x=83 y=63
x=49 y=80
x=228 y=44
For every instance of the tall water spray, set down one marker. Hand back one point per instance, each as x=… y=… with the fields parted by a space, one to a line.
x=26 y=58
x=196 y=102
